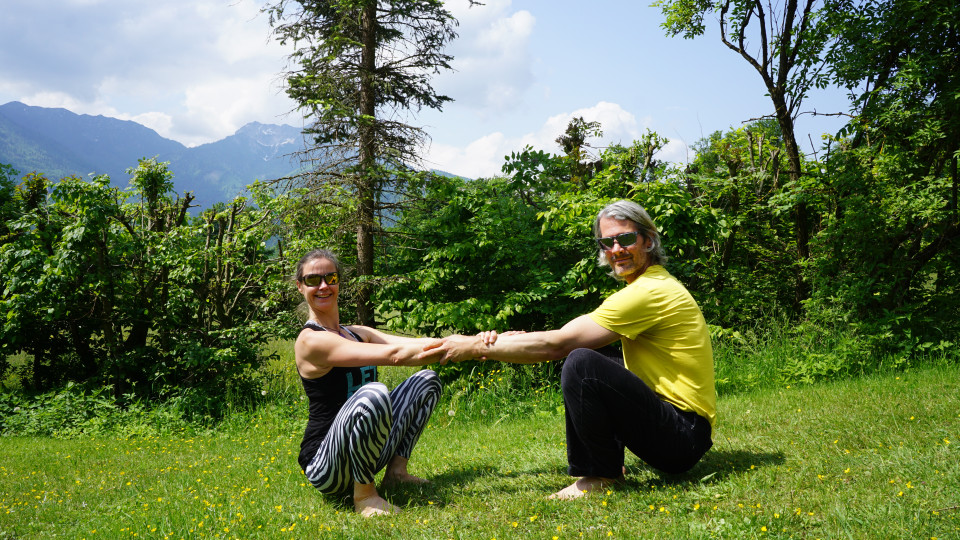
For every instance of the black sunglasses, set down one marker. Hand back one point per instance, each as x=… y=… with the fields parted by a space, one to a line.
x=313 y=280
x=624 y=239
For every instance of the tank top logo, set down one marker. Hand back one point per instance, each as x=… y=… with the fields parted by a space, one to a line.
x=368 y=374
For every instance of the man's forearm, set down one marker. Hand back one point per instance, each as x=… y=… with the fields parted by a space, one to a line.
x=527 y=348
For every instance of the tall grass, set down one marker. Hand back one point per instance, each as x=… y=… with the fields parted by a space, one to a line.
x=779 y=352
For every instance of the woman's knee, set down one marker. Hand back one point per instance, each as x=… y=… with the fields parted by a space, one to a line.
x=427 y=380
x=374 y=391
x=428 y=376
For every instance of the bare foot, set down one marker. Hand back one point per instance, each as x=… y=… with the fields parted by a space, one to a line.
x=368 y=503
x=397 y=472
x=374 y=505
x=390 y=478
x=582 y=487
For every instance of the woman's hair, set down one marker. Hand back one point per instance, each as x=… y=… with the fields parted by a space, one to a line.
x=317 y=254
x=624 y=210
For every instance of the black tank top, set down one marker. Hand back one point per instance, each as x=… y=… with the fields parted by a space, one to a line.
x=327 y=394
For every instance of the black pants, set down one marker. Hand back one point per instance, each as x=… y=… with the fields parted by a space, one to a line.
x=609 y=408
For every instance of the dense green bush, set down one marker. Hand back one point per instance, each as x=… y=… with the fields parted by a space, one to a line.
x=126 y=290
x=74 y=411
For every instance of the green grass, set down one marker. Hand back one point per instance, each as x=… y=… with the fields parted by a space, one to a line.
x=874 y=457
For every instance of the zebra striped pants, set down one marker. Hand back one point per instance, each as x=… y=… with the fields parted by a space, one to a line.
x=373 y=426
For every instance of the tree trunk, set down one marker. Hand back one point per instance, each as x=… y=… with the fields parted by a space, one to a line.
x=953 y=196
x=801 y=212
x=367 y=179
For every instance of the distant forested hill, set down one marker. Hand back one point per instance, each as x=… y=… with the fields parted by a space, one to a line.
x=60 y=143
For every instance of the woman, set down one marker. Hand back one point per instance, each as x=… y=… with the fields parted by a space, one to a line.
x=356 y=426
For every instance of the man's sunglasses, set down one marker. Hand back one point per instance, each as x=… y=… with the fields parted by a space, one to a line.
x=624 y=239
x=314 y=280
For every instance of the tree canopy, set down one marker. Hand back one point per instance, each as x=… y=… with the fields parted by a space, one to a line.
x=360 y=68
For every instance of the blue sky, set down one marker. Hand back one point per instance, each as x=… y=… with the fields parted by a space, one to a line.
x=197 y=70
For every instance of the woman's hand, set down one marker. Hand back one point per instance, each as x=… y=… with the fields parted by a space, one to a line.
x=457 y=348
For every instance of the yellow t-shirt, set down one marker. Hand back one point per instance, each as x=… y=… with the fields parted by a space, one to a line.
x=665 y=339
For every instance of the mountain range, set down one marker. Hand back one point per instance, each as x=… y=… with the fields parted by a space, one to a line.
x=59 y=143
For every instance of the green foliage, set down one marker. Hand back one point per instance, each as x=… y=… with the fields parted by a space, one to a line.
x=854 y=256
x=684 y=17
x=747 y=256
x=72 y=412
x=335 y=40
x=136 y=295
x=875 y=224
x=788 y=46
x=7 y=204
x=474 y=257
x=888 y=253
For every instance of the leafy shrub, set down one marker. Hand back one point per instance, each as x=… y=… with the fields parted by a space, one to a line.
x=74 y=411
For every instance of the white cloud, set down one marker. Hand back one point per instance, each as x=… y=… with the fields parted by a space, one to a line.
x=66 y=101
x=492 y=60
x=244 y=36
x=617 y=124
x=219 y=106
x=160 y=122
x=676 y=151
x=485 y=156
x=480 y=159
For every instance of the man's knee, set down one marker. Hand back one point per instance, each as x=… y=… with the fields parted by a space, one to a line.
x=575 y=366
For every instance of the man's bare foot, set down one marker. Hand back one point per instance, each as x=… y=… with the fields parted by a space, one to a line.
x=582 y=487
x=374 y=505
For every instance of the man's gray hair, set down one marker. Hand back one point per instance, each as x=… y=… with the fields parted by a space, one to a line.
x=625 y=210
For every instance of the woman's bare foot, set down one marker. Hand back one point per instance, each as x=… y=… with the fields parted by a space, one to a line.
x=582 y=487
x=406 y=478
x=368 y=503
x=374 y=506
x=397 y=472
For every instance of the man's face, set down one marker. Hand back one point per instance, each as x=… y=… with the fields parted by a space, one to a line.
x=627 y=262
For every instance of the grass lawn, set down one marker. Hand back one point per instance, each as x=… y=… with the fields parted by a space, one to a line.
x=867 y=458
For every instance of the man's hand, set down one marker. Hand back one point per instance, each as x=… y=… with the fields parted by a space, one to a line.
x=456 y=348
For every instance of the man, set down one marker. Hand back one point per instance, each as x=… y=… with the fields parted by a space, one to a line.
x=660 y=400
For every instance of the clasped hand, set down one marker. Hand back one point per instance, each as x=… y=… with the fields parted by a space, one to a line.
x=457 y=347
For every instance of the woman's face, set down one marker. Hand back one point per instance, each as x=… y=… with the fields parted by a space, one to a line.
x=323 y=296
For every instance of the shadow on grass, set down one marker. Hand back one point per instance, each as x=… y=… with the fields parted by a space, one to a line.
x=714 y=467
x=442 y=489
x=447 y=487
